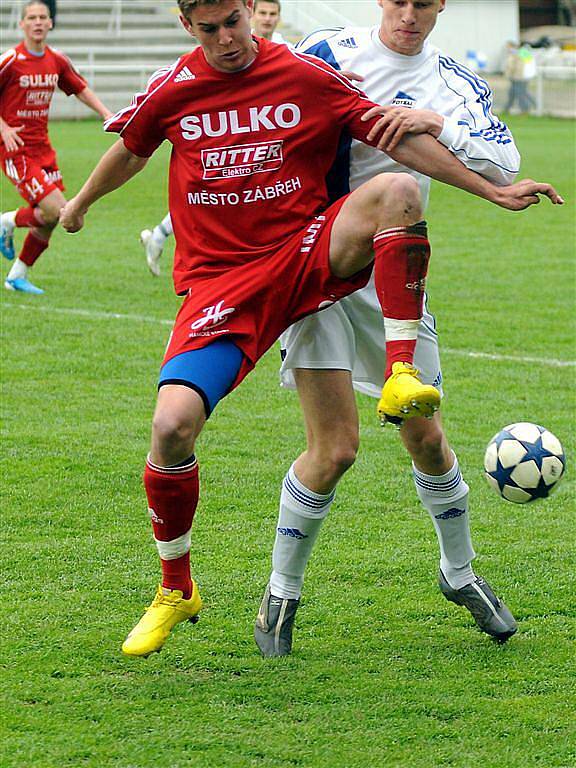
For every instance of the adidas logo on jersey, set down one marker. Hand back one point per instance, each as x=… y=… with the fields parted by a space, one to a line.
x=348 y=42
x=184 y=75
x=403 y=100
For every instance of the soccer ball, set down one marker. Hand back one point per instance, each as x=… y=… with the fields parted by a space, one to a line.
x=524 y=462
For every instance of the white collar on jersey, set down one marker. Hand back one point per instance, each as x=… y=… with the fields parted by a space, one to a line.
x=399 y=58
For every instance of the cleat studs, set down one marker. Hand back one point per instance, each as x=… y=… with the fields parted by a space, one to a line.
x=194 y=619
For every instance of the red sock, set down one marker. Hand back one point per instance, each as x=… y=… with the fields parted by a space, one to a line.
x=33 y=247
x=27 y=217
x=172 y=499
x=400 y=268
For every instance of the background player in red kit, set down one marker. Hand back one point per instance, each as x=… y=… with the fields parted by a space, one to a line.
x=255 y=129
x=29 y=74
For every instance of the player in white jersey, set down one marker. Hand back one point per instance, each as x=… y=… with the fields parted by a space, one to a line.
x=328 y=354
x=265 y=19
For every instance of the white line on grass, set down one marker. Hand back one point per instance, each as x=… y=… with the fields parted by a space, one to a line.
x=95 y=315
x=89 y=313
x=512 y=358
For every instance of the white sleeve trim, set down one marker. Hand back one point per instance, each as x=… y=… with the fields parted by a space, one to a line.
x=449 y=132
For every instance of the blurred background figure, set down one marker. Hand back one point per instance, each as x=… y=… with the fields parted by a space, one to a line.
x=476 y=60
x=266 y=18
x=520 y=68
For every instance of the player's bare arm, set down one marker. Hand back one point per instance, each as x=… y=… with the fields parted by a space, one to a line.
x=396 y=122
x=354 y=76
x=88 y=97
x=117 y=166
x=10 y=136
x=425 y=154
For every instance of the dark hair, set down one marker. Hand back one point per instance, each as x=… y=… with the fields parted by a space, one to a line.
x=35 y=2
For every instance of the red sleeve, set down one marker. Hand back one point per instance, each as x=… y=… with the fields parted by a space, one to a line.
x=344 y=101
x=70 y=81
x=140 y=124
x=5 y=61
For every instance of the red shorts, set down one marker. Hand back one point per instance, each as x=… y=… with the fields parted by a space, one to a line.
x=255 y=302
x=34 y=176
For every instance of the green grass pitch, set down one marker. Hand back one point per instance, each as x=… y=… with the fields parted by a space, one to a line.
x=385 y=672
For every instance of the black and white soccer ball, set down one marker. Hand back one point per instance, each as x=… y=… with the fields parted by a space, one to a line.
x=524 y=462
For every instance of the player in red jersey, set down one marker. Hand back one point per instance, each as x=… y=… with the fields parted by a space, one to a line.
x=265 y=19
x=255 y=129
x=29 y=75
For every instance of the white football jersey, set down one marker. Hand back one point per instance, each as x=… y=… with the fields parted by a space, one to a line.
x=277 y=37
x=429 y=80
x=350 y=335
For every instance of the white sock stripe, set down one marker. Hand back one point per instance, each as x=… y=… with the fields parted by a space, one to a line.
x=307 y=498
x=398 y=232
x=170 y=550
x=436 y=487
x=171 y=470
x=401 y=330
x=303 y=489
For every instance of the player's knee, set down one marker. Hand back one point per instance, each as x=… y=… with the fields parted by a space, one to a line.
x=50 y=218
x=343 y=457
x=172 y=431
x=399 y=193
x=337 y=457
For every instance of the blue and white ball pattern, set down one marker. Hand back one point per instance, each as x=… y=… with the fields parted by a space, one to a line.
x=524 y=462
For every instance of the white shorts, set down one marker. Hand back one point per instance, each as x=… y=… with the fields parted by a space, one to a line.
x=350 y=336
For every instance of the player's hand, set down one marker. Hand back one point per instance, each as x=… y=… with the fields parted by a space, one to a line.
x=523 y=194
x=72 y=217
x=106 y=115
x=396 y=122
x=11 y=138
x=351 y=75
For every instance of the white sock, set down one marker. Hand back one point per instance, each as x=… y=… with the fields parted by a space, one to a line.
x=301 y=515
x=8 y=220
x=446 y=499
x=162 y=231
x=400 y=330
x=19 y=269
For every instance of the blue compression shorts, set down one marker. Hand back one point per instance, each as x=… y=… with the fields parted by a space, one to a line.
x=210 y=371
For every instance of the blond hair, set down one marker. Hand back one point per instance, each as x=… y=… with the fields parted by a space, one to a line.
x=35 y=2
x=189 y=5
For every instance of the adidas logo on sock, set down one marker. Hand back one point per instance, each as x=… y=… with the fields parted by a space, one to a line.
x=183 y=75
x=292 y=533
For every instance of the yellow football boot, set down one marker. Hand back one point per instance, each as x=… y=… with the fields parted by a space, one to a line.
x=167 y=609
x=404 y=396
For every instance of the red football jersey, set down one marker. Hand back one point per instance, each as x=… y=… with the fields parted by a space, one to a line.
x=251 y=150
x=27 y=84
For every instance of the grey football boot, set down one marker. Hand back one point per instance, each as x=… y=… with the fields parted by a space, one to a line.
x=273 y=628
x=489 y=612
